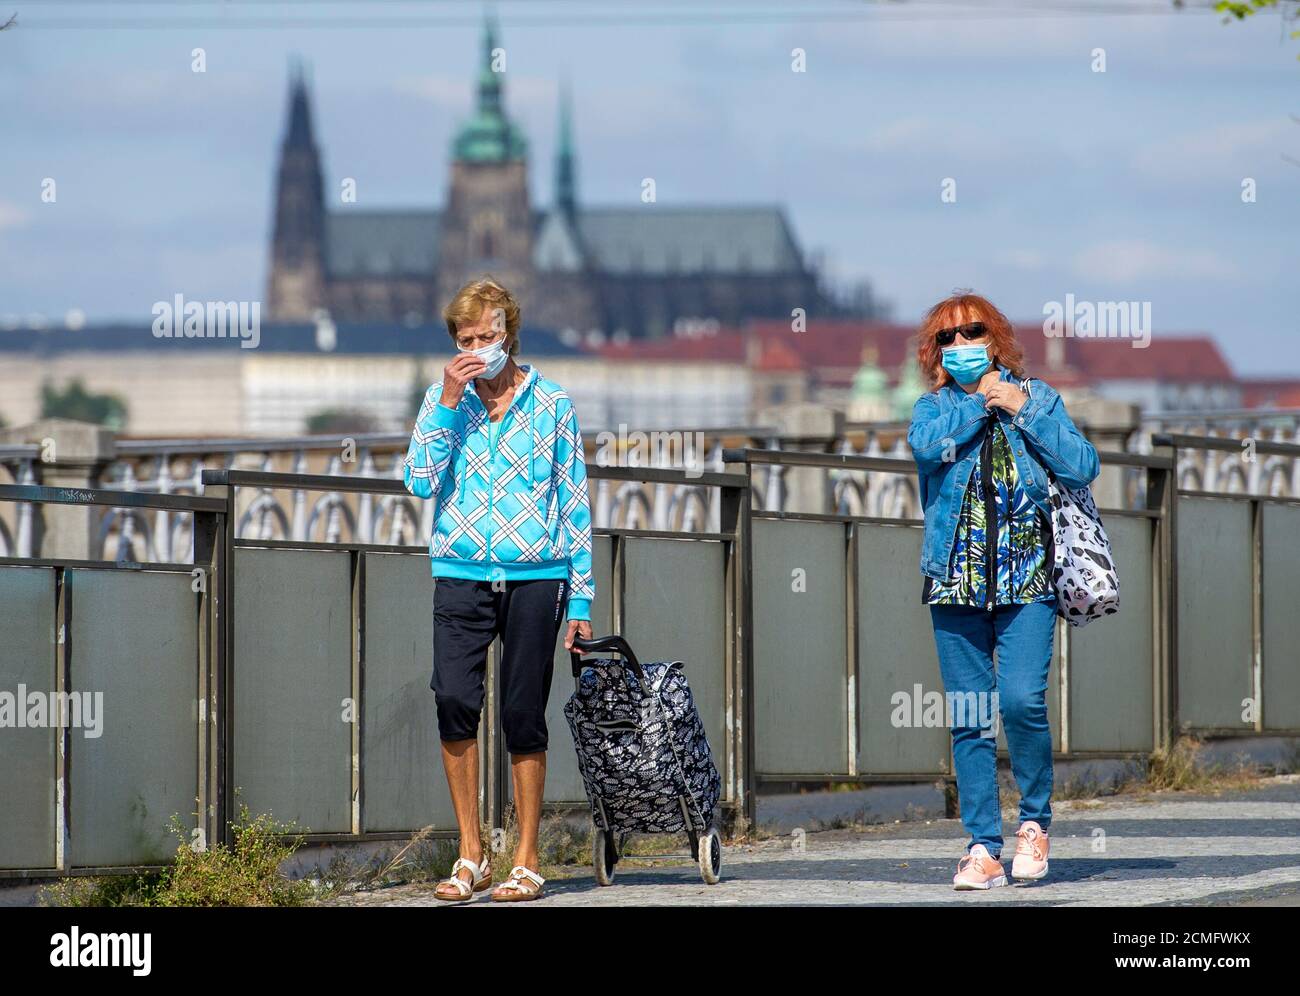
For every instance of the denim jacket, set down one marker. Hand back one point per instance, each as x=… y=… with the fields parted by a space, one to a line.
x=945 y=435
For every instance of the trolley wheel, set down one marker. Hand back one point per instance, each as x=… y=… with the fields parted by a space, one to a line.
x=604 y=855
x=710 y=856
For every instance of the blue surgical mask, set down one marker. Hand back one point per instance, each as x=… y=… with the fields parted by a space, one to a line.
x=494 y=355
x=966 y=363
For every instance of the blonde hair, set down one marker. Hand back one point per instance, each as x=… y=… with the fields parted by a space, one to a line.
x=468 y=305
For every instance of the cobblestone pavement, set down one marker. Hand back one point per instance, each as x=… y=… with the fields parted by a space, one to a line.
x=1239 y=847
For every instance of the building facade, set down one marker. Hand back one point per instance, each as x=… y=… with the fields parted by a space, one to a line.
x=636 y=271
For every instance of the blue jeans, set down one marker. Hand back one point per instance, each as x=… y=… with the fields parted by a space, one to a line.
x=965 y=637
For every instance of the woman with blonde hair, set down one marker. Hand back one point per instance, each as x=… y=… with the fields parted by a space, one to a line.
x=983 y=448
x=497 y=447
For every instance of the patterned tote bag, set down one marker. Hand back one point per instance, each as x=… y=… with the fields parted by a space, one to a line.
x=1084 y=574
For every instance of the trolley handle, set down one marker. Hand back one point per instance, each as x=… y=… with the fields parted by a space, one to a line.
x=602 y=643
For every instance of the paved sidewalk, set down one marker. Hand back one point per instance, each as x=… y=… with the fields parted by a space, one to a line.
x=1233 y=849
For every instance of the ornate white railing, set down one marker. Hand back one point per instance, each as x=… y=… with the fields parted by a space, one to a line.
x=17 y=527
x=176 y=466
x=1247 y=469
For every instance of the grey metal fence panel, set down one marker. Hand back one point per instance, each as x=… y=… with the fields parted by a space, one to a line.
x=293 y=674
x=29 y=771
x=1215 y=646
x=1112 y=660
x=800 y=639
x=674 y=605
x=896 y=656
x=563 y=780
x=134 y=637
x=1281 y=620
x=403 y=783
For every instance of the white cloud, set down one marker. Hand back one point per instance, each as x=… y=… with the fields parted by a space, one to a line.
x=1007 y=33
x=1231 y=149
x=1129 y=261
x=1020 y=259
x=443 y=91
x=457 y=95
x=11 y=215
x=906 y=133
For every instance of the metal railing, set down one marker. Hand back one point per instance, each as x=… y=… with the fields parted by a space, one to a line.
x=59 y=639
x=878 y=638
x=294 y=678
x=177 y=467
x=612 y=544
x=1247 y=464
x=292 y=672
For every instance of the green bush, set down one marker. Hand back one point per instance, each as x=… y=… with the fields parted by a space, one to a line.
x=246 y=873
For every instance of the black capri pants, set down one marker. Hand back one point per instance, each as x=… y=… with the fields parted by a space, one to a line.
x=467 y=615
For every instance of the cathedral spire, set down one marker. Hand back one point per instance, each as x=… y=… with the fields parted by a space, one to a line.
x=296 y=284
x=489 y=82
x=566 y=167
x=299 y=131
x=489 y=136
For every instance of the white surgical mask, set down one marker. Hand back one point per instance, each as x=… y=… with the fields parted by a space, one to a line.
x=494 y=355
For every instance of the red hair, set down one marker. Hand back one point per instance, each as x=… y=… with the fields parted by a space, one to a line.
x=959 y=309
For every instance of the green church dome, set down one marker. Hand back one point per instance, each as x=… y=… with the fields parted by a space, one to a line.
x=489 y=136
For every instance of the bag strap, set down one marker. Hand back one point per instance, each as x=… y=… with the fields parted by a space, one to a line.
x=1051 y=478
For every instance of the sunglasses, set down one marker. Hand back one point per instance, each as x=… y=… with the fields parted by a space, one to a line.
x=945 y=337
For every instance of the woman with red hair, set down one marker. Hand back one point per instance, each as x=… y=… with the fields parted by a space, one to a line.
x=983 y=446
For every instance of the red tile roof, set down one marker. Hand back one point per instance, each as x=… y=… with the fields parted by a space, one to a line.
x=1169 y=358
x=831 y=343
x=778 y=357
x=1270 y=393
x=832 y=350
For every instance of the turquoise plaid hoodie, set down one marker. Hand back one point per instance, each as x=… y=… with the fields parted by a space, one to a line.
x=513 y=506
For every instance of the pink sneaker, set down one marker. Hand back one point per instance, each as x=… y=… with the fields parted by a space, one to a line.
x=1030 y=862
x=978 y=870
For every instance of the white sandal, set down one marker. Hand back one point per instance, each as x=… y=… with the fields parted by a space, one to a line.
x=513 y=890
x=481 y=873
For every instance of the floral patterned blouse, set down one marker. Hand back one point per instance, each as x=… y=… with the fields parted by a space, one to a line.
x=1023 y=551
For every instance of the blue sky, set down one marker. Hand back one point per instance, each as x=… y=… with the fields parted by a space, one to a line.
x=1122 y=185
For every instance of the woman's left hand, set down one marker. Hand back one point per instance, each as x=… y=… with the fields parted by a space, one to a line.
x=577 y=627
x=1006 y=396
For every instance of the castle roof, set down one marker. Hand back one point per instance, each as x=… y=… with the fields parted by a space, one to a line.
x=635 y=241
x=656 y=240
x=384 y=243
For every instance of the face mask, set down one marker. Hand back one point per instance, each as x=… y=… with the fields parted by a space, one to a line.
x=966 y=363
x=494 y=355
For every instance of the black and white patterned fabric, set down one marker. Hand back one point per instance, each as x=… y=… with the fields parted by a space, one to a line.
x=642 y=754
x=1084 y=575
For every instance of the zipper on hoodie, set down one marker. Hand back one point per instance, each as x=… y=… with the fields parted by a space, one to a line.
x=492 y=459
